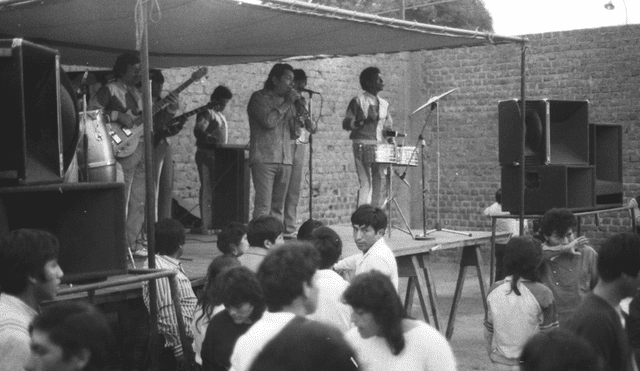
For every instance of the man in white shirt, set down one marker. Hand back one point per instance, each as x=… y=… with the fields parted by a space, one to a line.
x=288 y=278
x=369 y=224
x=29 y=275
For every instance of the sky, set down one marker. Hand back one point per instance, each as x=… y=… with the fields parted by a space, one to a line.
x=522 y=17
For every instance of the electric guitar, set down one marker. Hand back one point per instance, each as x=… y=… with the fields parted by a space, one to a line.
x=125 y=140
x=176 y=120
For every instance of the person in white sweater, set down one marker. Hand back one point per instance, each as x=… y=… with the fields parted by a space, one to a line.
x=383 y=338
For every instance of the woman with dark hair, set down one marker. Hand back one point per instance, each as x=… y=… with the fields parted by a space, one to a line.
x=384 y=338
x=243 y=299
x=209 y=303
x=519 y=306
x=558 y=350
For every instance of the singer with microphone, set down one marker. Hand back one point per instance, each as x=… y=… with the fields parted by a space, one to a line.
x=298 y=149
x=369 y=122
x=273 y=122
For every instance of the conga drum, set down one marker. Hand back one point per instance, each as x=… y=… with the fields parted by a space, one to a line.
x=100 y=160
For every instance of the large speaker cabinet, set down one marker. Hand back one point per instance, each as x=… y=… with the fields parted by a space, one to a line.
x=231 y=188
x=549 y=186
x=557 y=132
x=87 y=218
x=31 y=141
x=605 y=153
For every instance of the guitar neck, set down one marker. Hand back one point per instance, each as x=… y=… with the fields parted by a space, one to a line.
x=190 y=113
x=163 y=102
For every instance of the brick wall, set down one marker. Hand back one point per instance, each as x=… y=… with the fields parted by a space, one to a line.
x=599 y=65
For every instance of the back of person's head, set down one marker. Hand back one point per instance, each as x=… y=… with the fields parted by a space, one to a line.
x=367 y=76
x=328 y=244
x=239 y=285
x=278 y=70
x=299 y=75
x=305 y=230
x=558 y=350
x=210 y=297
x=76 y=327
x=221 y=92
x=522 y=258
x=23 y=254
x=156 y=76
x=170 y=236
x=285 y=271
x=308 y=346
x=230 y=235
x=618 y=255
x=498 y=196
x=123 y=62
x=373 y=292
x=369 y=216
x=557 y=221
x=264 y=227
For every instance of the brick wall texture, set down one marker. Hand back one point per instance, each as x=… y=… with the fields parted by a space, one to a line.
x=599 y=65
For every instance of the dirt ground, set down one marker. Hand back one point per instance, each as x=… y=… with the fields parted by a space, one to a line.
x=468 y=340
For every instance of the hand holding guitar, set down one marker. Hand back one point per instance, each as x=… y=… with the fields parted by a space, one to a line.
x=126 y=120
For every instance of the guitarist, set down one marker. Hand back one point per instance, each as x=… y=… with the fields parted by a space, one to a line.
x=211 y=130
x=121 y=101
x=162 y=152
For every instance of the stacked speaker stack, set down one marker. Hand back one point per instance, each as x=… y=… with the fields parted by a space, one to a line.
x=569 y=163
x=39 y=138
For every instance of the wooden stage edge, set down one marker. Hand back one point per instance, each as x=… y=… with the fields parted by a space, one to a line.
x=201 y=249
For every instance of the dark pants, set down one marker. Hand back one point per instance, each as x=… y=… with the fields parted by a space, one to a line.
x=500 y=250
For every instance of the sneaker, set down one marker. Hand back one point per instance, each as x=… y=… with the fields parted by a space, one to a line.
x=290 y=236
x=141 y=253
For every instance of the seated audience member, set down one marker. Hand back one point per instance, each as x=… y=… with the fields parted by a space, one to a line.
x=69 y=336
x=209 y=303
x=288 y=279
x=383 y=338
x=599 y=319
x=331 y=286
x=369 y=224
x=263 y=233
x=568 y=263
x=558 y=350
x=241 y=294
x=305 y=230
x=170 y=237
x=232 y=240
x=635 y=202
x=503 y=225
x=29 y=275
x=308 y=346
x=518 y=307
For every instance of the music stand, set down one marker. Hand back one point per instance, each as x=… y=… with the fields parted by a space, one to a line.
x=433 y=103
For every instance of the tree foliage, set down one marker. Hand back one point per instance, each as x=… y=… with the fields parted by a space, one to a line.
x=465 y=14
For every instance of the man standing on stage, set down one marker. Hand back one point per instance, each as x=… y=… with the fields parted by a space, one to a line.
x=121 y=101
x=367 y=119
x=211 y=130
x=298 y=148
x=272 y=125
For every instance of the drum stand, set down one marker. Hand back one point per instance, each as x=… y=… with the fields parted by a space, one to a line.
x=392 y=200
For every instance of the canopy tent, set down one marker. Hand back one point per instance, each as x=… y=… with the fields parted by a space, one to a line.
x=217 y=32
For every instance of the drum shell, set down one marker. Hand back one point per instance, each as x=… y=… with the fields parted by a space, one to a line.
x=101 y=162
x=381 y=153
x=408 y=155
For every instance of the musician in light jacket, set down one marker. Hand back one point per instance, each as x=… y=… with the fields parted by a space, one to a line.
x=367 y=119
x=211 y=130
x=121 y=101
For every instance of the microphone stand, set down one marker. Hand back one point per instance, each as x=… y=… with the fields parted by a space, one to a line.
x=310 y=161
x=433 y=104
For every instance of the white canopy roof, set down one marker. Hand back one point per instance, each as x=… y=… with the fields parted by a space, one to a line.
x=218 y=32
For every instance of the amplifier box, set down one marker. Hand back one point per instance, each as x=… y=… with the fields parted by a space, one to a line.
x=547 y=187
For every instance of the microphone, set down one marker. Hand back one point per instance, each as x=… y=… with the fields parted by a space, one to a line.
x=402 y=177
x=391 y=133
x=311 y=92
